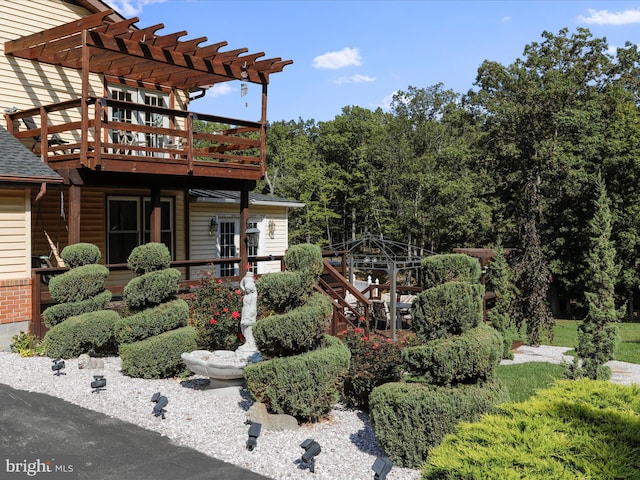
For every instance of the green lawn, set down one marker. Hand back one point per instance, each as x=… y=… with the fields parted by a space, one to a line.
x=522 y=380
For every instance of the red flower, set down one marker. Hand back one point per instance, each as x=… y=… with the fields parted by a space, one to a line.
x=237 y=292
x=235 y=314
x=225 y=310
x=219 y=280
x=388 y=340
x=358 y=330
x=212 y=321
x=241 y=337
x=361 y=319
x=365 y=338
x=191 y=286
x=247 y=266
x=344 y=332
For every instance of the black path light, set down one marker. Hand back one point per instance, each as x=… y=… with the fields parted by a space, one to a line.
x=311 y=451
x=160 y=402
x=381 y=467
x=254 y=433
x=58 y=364
x=99 y=383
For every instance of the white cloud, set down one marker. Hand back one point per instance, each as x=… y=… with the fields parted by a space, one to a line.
x=220 y=90
x=386 y=101
x=605 y=17
x=506 y=19
x=357 y=78
x=131 y=8
x=334 y=60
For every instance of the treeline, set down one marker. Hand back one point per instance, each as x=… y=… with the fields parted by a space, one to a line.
x=443 y=169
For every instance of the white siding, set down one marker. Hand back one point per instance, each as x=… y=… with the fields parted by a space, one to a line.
x=15 y=236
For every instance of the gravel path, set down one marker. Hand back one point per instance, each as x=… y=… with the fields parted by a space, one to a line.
x=211 y=420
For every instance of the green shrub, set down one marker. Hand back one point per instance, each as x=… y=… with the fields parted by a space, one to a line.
x=80 y=254
x=575 y=430
x=305 y=386
x=294 y=332
x=374 y=362
x=90 y=333
x=149 y=257
x=451 y=267
x=410 y=419
x=152 y=288
x=158 y=356
x=79 y=283
x=305 y=258
x=214 y=311
x=61 y=311
x=152 y=321
x=281 y=292
x=470 y=357
x=26 y=345
x=447 y=309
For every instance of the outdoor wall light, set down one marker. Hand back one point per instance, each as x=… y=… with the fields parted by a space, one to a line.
x=254 y=433
x=160 y=402
x=311 y=450
x=58 y=364
x=381 y=467
x=99 y=383
x=213 y=227
x=253 y=235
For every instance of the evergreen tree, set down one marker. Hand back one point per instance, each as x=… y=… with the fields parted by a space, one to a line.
x=500 y=280
x=597 y=334
x=534 y=278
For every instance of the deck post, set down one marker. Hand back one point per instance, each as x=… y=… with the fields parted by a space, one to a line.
x=244 y=220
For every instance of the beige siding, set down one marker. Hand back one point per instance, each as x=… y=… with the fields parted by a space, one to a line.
x=15 y=215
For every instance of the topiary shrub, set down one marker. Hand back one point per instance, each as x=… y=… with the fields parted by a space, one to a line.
x=447 y=309
x=79 y=284
x=281 y=292
x=296 y=331
x=152 y=321
x=453 y=267
x=90 y=333
x=305 y=258
x=149 y=257
x=470 y=357
x=305 y=386
x=56 y=314
x=80 y=254
x=411 y=418
x=158 y=356
x=374 y=362
x=152 y=288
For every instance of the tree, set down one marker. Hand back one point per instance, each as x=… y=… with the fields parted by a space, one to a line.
x=534 y=275
x=597 y=333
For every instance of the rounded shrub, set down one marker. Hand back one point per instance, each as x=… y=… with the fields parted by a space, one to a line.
x=79 y=283
x=469 y=357
x=305 y=386
x=296 y=331
x=158 y=356
x=452 y=267
x=80 y=254
x=90 y=333
x=447 y=309
x=152 y=321
x=149 y=258
x=59 y=312
x=152 y=288
x=305 y=258
x=409 y=419
x=282 y=291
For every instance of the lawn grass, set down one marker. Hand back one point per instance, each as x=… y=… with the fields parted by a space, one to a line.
x=522 y=380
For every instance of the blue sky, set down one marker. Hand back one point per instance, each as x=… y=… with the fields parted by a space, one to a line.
x=361 y=52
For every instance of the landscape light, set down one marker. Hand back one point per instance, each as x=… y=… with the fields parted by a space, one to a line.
x=381 y=467
x=311 y=450
x=99 y=383
x=160 y=402
x=58 y=364
x=254 y=433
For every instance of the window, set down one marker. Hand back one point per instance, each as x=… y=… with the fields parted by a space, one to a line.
x=253 y=251
x=128 y=225
x=227 y=243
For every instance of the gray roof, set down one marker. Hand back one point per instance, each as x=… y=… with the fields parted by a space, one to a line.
x=230 y=196
x=18 y=164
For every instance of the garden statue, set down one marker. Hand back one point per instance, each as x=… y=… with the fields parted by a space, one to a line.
x=227 y=364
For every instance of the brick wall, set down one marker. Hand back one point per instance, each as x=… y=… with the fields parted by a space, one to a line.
x=15 y=300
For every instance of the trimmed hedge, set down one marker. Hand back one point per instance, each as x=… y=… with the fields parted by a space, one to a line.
x=79 y=284
x=56 y=314
x=409 y=419
x=448 y=309
x=451 y=267
x=158 y=356
x=90 y=333
x=153 y=321
x=306 y=258
x=305 y=386
x=152 y=288
x=282 y=292
x=80 y=254
x=149 y=257
x=294 y=332
x=470 y=357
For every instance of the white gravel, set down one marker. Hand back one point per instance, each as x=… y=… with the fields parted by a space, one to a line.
x=212 y=420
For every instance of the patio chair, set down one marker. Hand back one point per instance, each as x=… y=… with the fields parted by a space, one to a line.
x=379 y=315
x=54 y=140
